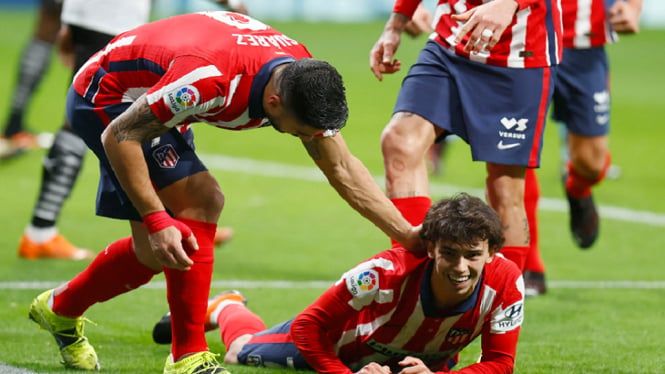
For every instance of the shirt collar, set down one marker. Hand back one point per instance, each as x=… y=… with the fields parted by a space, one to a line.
x=259 y=84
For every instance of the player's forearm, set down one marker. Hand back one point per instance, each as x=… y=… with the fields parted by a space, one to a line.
x=397 y=22
x=122 y=143
x=132 y=172
x=356 y=185
x=498 y=353
x=309 y=336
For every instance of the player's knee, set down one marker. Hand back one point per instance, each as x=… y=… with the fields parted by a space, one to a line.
x=215 y=202
x=208 y=199
x=396 y=143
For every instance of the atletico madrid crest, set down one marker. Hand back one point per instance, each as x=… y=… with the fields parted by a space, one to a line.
x=166 y=156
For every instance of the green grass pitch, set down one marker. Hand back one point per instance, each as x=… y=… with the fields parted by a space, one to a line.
x=604 y=312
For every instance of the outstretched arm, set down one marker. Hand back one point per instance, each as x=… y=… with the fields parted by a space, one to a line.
x=356 y=185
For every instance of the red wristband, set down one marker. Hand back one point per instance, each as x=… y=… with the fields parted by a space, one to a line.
x=157 y=221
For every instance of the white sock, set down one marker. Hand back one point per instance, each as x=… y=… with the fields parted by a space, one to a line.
x=40 y=234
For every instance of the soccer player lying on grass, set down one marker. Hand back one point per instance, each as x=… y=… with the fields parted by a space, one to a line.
x=401 y=311
x=133 y=103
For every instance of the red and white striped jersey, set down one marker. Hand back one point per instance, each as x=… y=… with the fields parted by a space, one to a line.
x=532 y=40
x=204 y=67
x=383 y=310
x=585 y=24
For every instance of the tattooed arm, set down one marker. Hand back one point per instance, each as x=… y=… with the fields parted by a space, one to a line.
x=355 y=184
x=122 y=142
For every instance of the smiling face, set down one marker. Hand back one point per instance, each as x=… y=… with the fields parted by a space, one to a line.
x=457 y=270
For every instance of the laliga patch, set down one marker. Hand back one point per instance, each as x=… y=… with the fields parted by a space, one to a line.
x=363 y=282
x=166 y=156
x=182 y=98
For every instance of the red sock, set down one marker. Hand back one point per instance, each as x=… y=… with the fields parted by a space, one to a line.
x=413 y=209
x=533 y=261
x=516 y=254
x=579 y=186
x=236 y=320
x=114 y=271
x=187 y=293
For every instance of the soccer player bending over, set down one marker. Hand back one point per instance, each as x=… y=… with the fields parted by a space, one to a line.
x=400 y=311
x=134 y=103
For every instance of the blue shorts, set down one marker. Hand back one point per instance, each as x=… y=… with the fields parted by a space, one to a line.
x=273 y=348
x=582 y=93
x=499 y=111
x=170 y=157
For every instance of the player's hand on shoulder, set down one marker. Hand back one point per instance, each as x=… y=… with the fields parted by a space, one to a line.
x=374 y=368
x=413 y=365
x=412 y=240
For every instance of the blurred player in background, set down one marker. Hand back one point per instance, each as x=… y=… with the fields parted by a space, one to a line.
x=398 y=310
x=87 y=26
x=36 y=56
x=487 y=76
x=133 y=103
x=582 y=103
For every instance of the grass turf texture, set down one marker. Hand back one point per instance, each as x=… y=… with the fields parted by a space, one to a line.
x=294 y=230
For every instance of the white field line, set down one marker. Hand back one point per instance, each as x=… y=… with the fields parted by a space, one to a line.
x=322 y=284
x=268 y=284
x=313 y=174
x=6 y=369
x=280 y=170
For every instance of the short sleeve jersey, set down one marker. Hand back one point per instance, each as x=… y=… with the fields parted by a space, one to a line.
x=392 y=312
x=533 y=39
x=585 y=24
x=203 y=67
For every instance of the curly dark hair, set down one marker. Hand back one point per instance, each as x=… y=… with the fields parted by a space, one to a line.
x=465 y=220
x=312 y=90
